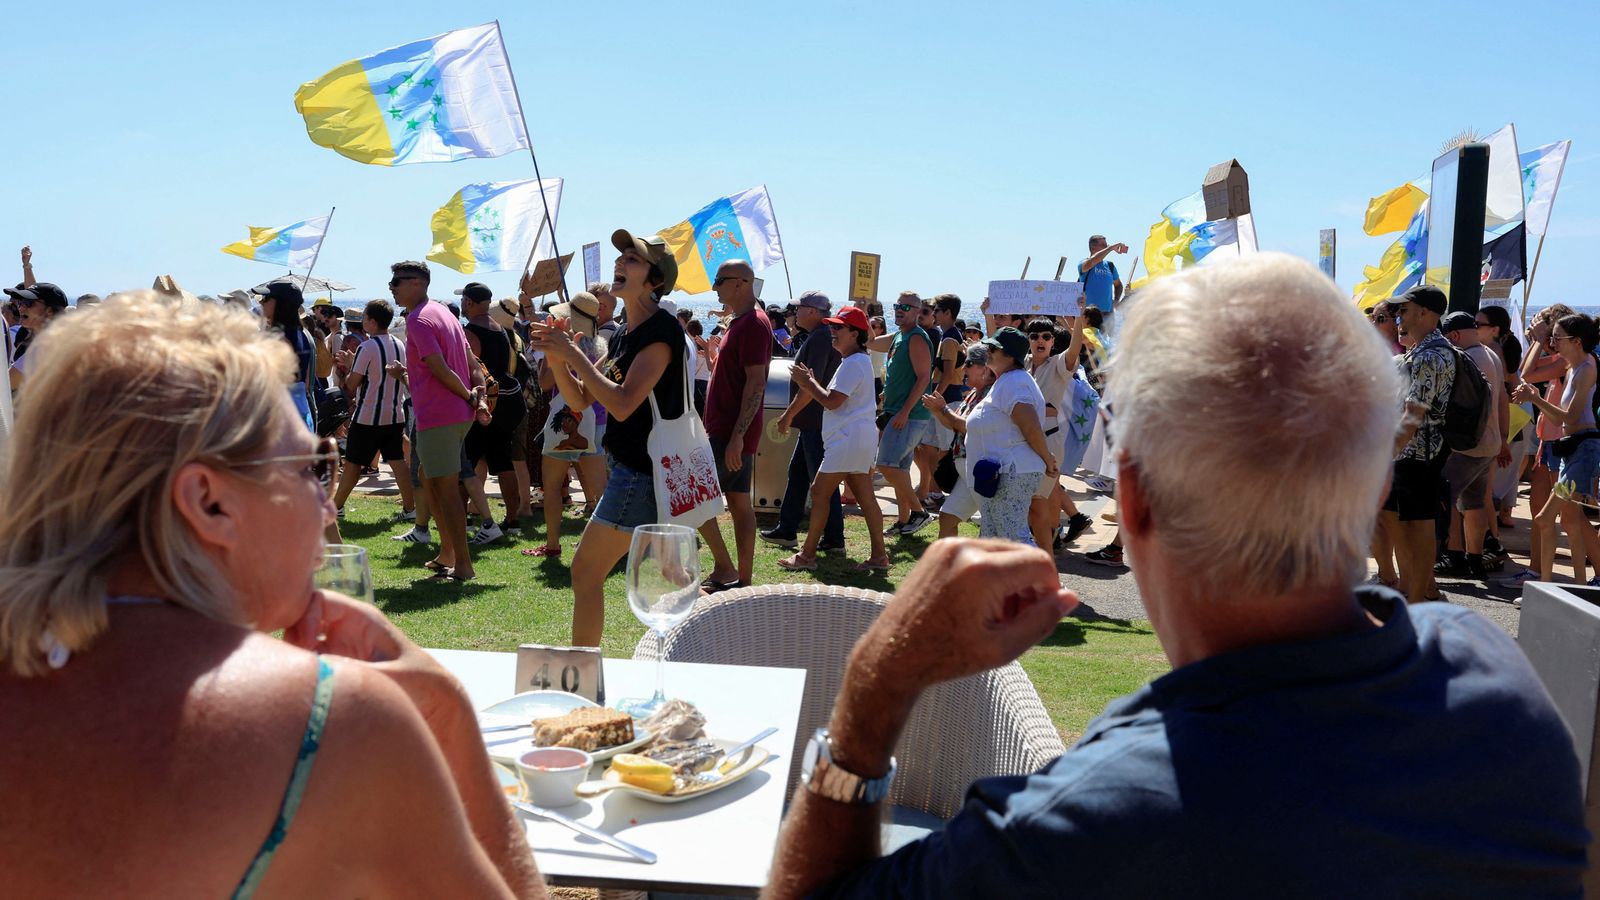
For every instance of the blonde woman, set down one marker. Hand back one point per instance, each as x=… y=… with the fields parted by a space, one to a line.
x=163 y=516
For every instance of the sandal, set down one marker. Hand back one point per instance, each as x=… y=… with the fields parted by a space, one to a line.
x=543 y=552
x=448 y=576
x=711 y=586
x=872 y=566
x=433 y=565
x=798 y=563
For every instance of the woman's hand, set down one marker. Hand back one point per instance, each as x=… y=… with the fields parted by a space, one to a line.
x=554 y=339
x=1523 y=393
x=337 y=625
x=934 y=402
x=799 y=372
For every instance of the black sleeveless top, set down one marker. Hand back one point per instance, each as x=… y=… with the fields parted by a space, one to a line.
x=495 y=351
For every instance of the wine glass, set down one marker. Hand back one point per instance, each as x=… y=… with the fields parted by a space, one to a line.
x=344 y=569
x=663 y=584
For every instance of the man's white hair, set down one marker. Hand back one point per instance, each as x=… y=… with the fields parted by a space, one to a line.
x=1259 y=407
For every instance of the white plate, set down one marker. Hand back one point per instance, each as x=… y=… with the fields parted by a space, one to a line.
x=753 y=759
x=506 y=746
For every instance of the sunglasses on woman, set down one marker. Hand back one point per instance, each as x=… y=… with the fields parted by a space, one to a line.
x=322 y=465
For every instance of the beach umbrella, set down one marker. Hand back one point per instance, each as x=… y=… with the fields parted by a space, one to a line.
x=313 y=285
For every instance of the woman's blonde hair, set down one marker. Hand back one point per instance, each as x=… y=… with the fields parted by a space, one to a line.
x=123 y=395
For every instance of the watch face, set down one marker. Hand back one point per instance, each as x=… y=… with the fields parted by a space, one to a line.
x=813 y=753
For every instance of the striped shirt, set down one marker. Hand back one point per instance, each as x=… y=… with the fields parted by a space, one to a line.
x=381 y=398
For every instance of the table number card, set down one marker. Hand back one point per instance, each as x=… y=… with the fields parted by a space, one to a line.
x=576 y=670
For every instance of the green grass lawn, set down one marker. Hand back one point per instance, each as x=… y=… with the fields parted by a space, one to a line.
x=516 y=599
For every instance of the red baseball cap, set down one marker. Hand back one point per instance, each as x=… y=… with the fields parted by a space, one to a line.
x=850 y=315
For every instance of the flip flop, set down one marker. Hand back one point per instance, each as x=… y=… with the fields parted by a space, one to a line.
x=433 y=565
x=870 y=566
x=543 y=552
x=710 y=586
x=796 y=564
x=446 y=577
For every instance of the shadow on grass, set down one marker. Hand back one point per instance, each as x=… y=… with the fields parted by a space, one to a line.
x=1075 y=632
x=425 y=594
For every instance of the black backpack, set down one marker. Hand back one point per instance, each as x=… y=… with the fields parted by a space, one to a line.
x=1467 y=413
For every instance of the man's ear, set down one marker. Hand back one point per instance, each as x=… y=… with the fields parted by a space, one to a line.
x=209 y=504
x=1133 y=507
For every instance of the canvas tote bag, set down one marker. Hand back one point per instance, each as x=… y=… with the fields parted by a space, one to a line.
x=682 y=467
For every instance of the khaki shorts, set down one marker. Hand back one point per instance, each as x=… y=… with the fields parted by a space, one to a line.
x=439 y=449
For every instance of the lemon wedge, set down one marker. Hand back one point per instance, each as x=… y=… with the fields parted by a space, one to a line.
x=643 y=772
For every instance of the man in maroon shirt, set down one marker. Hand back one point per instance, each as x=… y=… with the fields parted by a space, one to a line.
x=733 y=420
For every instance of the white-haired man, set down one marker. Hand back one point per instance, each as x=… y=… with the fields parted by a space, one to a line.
x=1315 y=737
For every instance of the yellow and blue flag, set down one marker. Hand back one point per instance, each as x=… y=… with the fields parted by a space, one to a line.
x=1401 y=266
x=740 y=227
x=1183 y=238
x=290 y=245
x=441 y=99
x=1393 y=210
x=491 y=227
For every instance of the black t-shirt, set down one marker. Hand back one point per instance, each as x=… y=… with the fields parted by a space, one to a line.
x=817 y=353
x=957 y=389
x=626 y=438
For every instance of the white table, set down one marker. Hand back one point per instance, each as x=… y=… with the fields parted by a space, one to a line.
x=719 y=844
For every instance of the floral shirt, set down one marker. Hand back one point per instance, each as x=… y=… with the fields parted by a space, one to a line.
x=1430 y=371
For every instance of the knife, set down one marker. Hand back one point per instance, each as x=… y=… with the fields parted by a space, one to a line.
x=638 y=853
x=728 y=758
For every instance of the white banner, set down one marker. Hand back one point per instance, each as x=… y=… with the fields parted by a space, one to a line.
x=1044 y=298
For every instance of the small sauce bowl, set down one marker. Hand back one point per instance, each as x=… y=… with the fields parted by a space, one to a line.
x=552 y=774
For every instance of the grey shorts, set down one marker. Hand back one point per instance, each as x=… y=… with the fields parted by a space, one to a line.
x=1468 y=480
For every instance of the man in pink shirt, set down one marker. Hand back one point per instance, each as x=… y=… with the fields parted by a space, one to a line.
x=438 y=373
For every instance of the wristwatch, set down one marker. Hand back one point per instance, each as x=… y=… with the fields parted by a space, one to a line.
x=825 y=779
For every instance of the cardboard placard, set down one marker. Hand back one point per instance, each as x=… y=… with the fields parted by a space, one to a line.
x=591 y=263
x=1044 y=298
x=1226 y=191
x=576 y=670
x=864 y=276
x=546 y=277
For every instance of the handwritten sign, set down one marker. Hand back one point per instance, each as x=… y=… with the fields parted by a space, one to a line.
x=576 y=670
x=1044 y=298
x=591 y=263
x=546 y=276
x=864 y=276
x=1327 y=244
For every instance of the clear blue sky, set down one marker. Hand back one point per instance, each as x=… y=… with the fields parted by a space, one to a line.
x=954 y=139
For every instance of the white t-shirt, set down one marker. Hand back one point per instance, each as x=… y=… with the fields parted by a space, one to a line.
x=853 y=378
x=1053 y=379
x=1489 y=364
x=990 y=432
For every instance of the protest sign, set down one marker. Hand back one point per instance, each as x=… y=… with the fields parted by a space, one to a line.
x=591 y=262
x=864 y=276
x=1327 y=242
x=1044 y=298
x=546 y=276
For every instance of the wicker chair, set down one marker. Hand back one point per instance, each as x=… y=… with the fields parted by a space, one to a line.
x=988 y=724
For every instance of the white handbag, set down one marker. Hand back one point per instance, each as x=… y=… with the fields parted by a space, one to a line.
x=682 y=466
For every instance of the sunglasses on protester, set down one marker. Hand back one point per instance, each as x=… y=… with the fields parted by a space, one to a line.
x=395 y=281
x=321 y=465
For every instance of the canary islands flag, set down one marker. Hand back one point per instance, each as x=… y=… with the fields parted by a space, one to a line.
x=291 y=245
x=491 y=227
x=738 y=227
x=445 y=98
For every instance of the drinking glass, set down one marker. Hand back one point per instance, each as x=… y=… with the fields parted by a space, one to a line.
x=344 y=569
x=663 y=584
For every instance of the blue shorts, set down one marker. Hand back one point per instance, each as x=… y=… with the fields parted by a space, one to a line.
x=629 y=499
x=1579 y=469
x=897 y=446
x=1547 y=456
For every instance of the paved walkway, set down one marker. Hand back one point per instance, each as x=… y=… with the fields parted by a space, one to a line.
x=1112 y=593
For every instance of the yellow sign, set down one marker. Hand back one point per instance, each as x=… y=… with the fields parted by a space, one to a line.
x=864 y=276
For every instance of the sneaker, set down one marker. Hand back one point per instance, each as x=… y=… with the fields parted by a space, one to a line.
x=407 y=515
x=1076 y=526
x=1109 y=555
x=895 y=528
x=1515 y=579
x=1451 y=565
x=414 y=536
x=779 y=539
x=1100 y=483
x=827 y=546
x=486 y=534
x=918 y=521
x=340 y=512
x=513 y=528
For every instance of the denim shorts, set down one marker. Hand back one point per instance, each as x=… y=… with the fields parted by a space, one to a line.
x=1579 y=469
x=629 y=499
x=896 y=446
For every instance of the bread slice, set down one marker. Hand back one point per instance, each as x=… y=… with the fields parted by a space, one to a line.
x=587 y=729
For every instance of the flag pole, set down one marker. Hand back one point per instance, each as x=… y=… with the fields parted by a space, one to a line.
x=561 y=284
x=785 y=257
x=1527 y=284
x=305 y=280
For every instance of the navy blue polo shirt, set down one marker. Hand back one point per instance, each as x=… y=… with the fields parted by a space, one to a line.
x=1422 y=758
